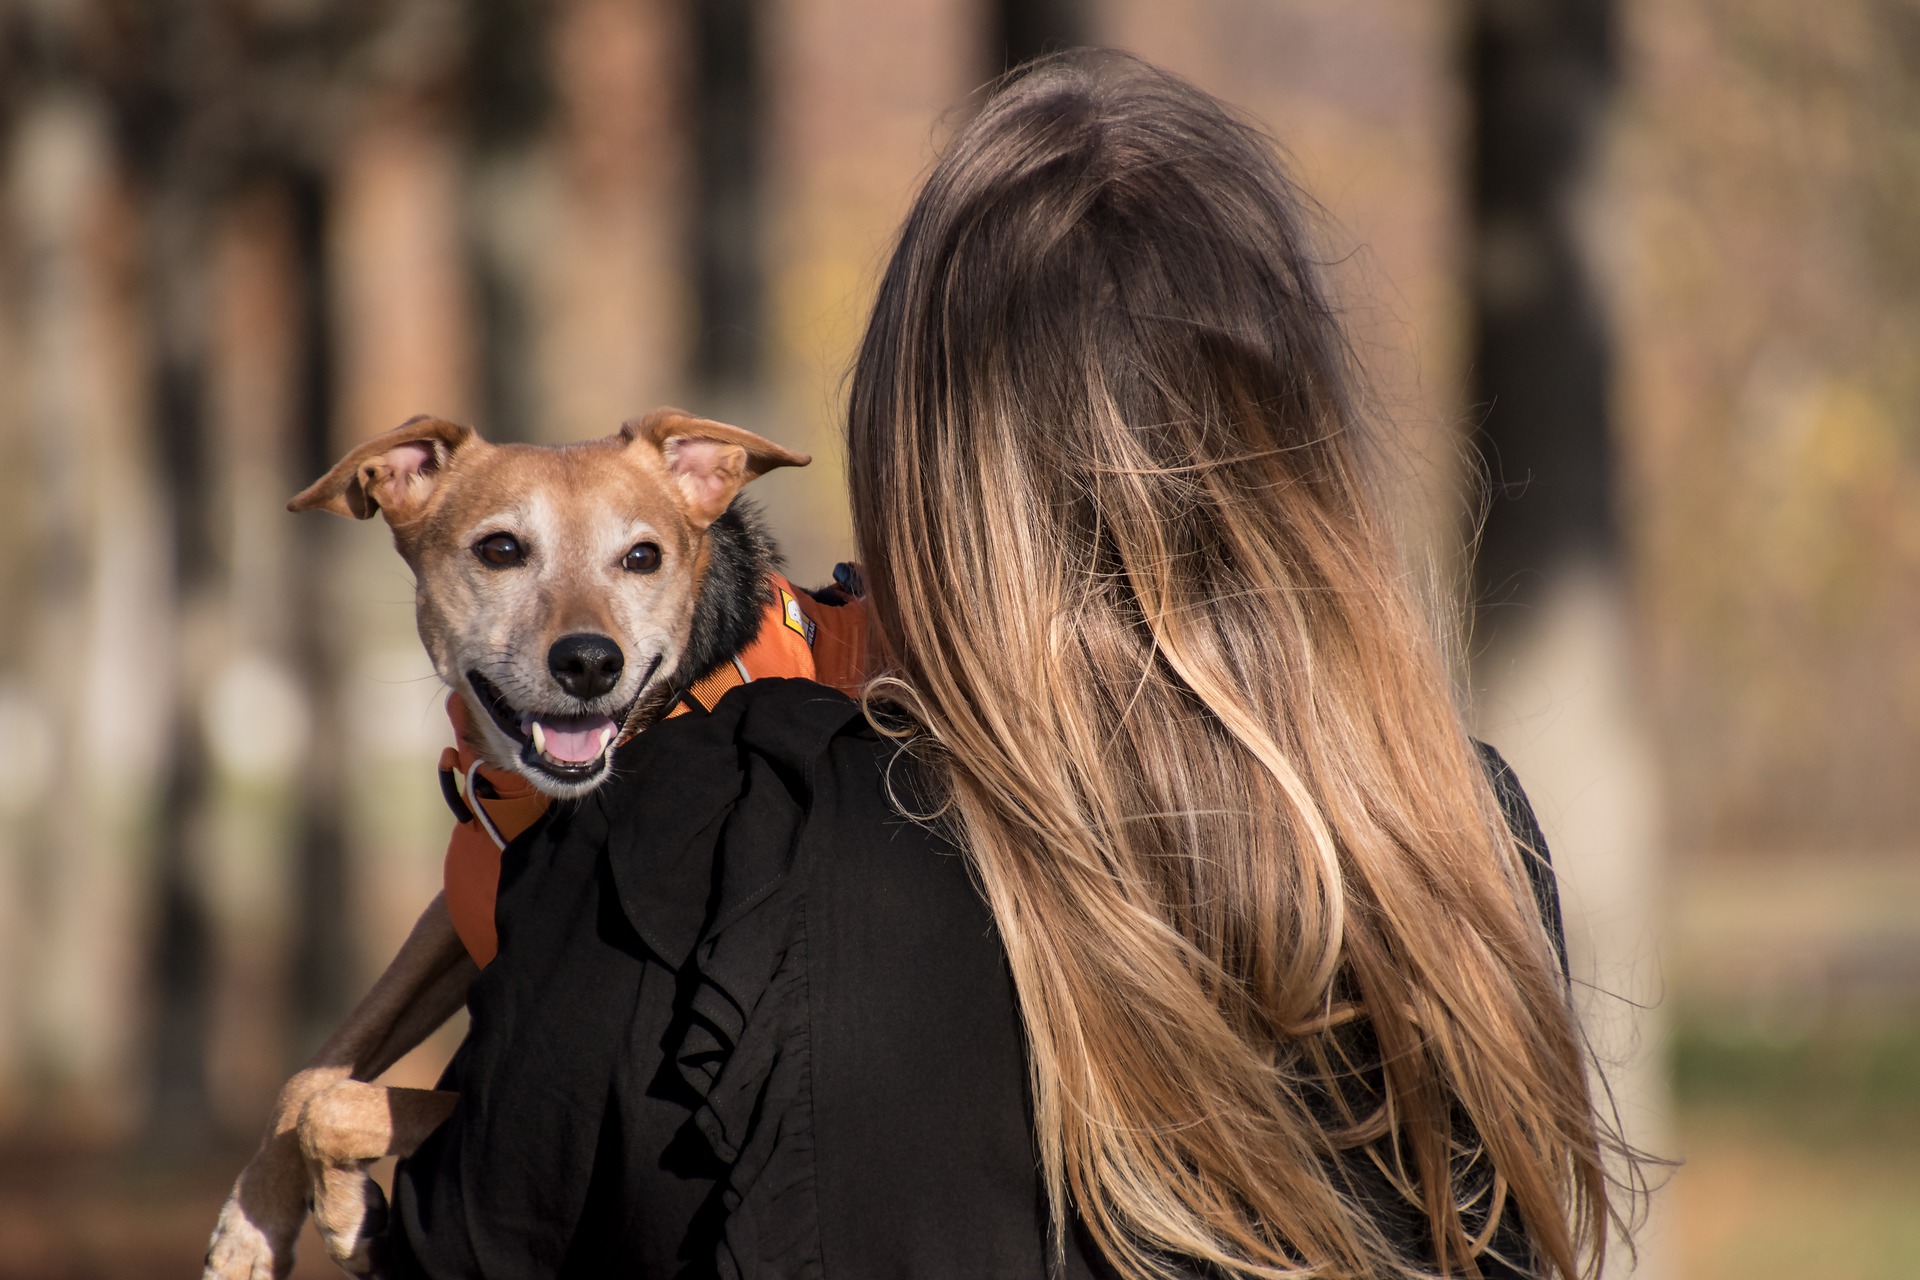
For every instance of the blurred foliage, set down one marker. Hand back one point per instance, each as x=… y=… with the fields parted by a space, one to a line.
x=1834 y=1085
x=1771 y=290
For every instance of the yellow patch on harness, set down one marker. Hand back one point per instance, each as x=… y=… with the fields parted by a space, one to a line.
x=797 y=622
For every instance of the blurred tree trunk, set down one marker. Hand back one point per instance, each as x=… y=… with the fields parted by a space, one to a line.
x=75 y=490
x=507 y=106
x=1541 y=75
x=173 y=143
x=1022 y=30
x=178 y=241
x=729 y=256
x=325 y=979
x=1557 y=676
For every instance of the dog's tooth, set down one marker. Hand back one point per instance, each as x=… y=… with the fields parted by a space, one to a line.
x=539 y=738
x=606 y=736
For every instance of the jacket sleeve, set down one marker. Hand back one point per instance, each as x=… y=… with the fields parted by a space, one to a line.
x=1533 y=845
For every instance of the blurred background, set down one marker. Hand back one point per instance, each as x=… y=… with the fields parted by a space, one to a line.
x=1637 y=279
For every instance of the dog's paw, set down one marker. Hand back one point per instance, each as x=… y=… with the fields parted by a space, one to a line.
x=254 y=1236
x=241 y=1250
x=350 y=1211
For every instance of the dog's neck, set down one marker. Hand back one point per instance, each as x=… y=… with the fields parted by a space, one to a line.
x=734 y=595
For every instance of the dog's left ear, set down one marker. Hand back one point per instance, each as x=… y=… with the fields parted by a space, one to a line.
x=394 y=473
x=709 y=461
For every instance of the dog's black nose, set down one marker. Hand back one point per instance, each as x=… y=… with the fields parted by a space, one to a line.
x=586 y=665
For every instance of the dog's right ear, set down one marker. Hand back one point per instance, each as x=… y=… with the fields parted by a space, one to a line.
x=708 y=461
x=394 y=473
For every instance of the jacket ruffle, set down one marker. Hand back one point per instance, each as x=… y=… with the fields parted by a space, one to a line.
x=740 y=1043
x=749 y=1060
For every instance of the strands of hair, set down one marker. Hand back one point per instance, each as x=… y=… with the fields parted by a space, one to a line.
x=1284 y=981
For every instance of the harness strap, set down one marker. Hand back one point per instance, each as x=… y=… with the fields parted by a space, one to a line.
x=703 y=694
x=498 y=805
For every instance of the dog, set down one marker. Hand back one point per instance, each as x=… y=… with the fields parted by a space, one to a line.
x=568 y=596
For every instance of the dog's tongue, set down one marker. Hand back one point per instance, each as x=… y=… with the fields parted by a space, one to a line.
x=571 y=739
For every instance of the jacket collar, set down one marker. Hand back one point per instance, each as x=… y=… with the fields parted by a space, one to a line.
x=745 y=772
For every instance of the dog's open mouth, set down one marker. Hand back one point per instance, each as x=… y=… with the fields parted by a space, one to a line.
x=565 y=747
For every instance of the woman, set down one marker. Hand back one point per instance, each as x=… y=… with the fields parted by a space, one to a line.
x=1168 y=924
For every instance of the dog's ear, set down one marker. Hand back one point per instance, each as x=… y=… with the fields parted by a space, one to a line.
x=709 y=461
x=394 y=473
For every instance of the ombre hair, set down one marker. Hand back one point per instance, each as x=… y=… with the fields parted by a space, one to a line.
x=1145 y=630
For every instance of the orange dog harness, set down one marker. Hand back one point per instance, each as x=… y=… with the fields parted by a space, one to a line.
x=800 y=637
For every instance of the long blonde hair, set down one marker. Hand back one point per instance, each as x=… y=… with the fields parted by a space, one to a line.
x=1144 y=627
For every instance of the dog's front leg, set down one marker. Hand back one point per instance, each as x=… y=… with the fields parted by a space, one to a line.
x=260 y=1221
x=342 y=1132
x=254 y=1236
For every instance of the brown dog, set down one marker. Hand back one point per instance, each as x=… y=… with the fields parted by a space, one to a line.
x=565 y=593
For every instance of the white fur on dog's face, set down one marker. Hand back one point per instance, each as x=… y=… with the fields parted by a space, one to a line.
x=514 y=547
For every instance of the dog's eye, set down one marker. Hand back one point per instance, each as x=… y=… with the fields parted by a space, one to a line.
x=644 y=558
x=501 y=550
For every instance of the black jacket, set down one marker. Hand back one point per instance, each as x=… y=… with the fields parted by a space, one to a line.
x=745 y=1021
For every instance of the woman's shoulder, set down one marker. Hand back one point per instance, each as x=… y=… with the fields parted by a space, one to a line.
x=1535 y=857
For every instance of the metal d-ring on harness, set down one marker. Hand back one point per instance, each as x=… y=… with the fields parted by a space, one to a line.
x=456 y=786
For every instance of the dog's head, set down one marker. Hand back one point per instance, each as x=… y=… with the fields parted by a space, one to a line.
x=555 y=586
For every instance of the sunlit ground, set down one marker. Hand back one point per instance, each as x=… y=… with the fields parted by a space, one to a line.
x=1795 y=990
x=1756 y=1205
x=75 y=1216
